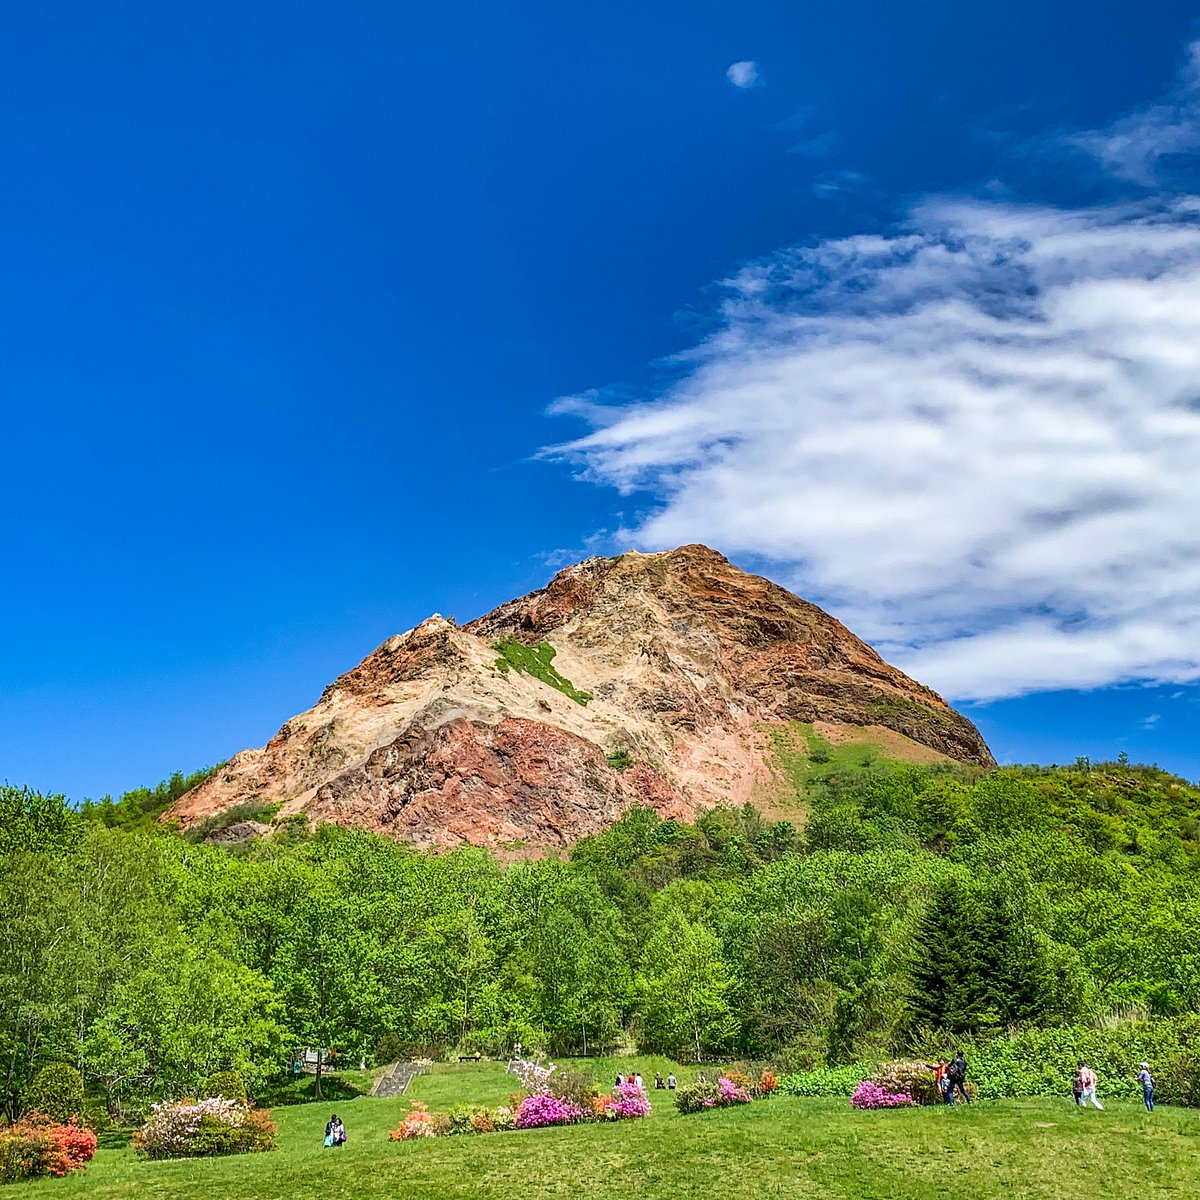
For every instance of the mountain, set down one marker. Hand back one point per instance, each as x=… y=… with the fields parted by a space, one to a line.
x=674 y=680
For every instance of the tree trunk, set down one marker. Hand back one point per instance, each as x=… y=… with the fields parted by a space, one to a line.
x=320 y=1063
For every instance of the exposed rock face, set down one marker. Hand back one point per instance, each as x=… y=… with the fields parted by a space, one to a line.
x=686 y=658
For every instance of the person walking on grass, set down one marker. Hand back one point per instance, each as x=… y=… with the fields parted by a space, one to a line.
x=1088 y=1078
x=672 y=1082
x=940 y=1082
x=658 y=1081
x=1147 y=1081
x=957 y=1075
x=1077 y=1086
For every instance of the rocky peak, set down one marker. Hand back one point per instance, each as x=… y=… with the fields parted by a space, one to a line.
x=643 y=678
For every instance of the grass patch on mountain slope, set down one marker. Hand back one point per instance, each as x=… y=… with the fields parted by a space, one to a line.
x=537 y=661
x=784 y=1147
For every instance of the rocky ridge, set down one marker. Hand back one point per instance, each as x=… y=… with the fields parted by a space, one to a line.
x=683 y=659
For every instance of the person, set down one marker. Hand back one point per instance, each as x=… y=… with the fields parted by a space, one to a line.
x=1147 y=1082
x=335 y=1131
x=658 y=1081
x=957 y=1075
x=672 y=1082
x=1077 y=1085
x=638 y=1080
x=939 y=1079
x=1087 y=1077
x=620 y=1079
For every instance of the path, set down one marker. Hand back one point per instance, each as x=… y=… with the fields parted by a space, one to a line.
x=396 y=1081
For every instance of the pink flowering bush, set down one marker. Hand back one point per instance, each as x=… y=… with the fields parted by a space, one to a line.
x=544 y=1109
x=629 y=1100
x=730 y=1092
x=193 y=1129
x=869 y=1094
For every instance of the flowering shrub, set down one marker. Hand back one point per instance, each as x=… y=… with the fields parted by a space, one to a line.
x=544 y=1109
x=199 y=1129
x=916 y=1079
x=873 y=1095
x=531 y=1075
x=739 y=1079
x=37 y=1146
x=418 y=1122
x=722 y=1094
x=768 y=1084
x=629 y=1100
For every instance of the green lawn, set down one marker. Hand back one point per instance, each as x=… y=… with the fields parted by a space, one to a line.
x=777 y=1148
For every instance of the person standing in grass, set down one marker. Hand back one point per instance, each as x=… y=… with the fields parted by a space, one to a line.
x=658 y=1081
x=672 y=1082
x=1088 y=1078
x=957 y=1075
x=1077 y=1085
x=939 y=1079
x=1147 y=1082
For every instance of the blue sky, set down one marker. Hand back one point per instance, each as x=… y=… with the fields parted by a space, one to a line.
x=298 y=301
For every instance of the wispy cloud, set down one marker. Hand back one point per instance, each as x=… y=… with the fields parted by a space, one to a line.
x=1143 y=146
x=743 y=74
x=975 y=438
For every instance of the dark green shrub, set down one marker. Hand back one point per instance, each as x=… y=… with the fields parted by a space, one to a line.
x=826 y=1081
x=1177 y=1080
x=57 y=1091
x=227 y=1084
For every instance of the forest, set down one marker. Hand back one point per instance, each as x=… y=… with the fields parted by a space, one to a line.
x=913 y=904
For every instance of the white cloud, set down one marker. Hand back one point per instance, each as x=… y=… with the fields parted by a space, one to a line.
x=977 y=439
x=743 y=74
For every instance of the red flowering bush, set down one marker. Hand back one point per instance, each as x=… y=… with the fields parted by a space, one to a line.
x=37 y=1146
x=768 y=1084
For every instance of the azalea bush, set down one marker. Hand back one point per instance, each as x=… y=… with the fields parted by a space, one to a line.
x=724 y=1093
x=869 y=1094
x=419 y=1122
x=546 y=1109
x=915 y=1079
x=38 y=1145
x=204 y=1128
x=532 y=1075
x=541 y=1109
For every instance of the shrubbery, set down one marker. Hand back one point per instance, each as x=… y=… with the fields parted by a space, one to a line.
x=226 y=1084
x=555 y=1097
x=56 y=1092
x=205 y=1128
x=869 y=1094
x=724 y=1093
x=37 y=1146
x=829 y=1081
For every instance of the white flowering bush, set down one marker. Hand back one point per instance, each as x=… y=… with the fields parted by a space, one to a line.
x=202 y=1128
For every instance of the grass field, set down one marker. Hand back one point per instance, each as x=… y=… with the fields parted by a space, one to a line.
x=783 y=1147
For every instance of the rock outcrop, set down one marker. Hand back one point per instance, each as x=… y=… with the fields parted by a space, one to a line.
x=667 y=669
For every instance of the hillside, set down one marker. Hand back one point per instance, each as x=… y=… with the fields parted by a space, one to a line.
x=658 y=679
